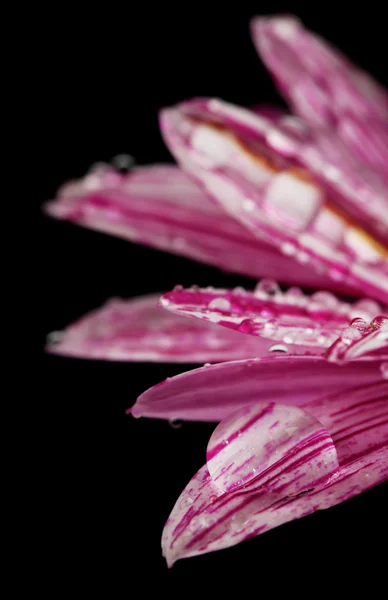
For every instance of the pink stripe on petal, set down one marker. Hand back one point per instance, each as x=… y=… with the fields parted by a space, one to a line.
x=212 y=393
x=139 y=330
x=303 y=323
x=261 y=173
x=160 y=206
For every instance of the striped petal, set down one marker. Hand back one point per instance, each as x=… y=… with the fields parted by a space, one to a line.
x=307 y=465
x=324 y=88
x=139 y=330
x=261 y=173
x=160 y=206
x=303 y=323
x=211 y=393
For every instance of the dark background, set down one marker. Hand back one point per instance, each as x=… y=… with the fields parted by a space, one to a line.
x=110 y=481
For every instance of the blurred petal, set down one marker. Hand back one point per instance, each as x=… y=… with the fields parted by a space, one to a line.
x=302 y=476
x=160 y=206
x=303 y=323
x=211 y=393
x=324 y=88
x=139 y=330
x=260 y=173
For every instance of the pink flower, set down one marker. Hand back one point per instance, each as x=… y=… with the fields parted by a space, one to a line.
x=301 y=389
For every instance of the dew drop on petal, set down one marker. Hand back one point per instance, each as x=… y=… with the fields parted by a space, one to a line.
x=270 y=326
x=55 y=337
x=219 y=304
x=278 y=348
x=175 y=423
x=178 y=288
x=267 y=287
x=289 y=338
x=123 y=162
x=384 y=370
x=359 y=324
x=247 y=326
x=239 y=290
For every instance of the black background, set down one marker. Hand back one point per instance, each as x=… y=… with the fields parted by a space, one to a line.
x=110 y=481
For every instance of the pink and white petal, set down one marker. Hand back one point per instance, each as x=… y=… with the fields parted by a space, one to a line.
x=361 y=339
x=139 y=330
x=210 y=524
x=303 y=323
x=207 y=518
x=160 y=206
x=323 y=87
x=261 y=173
x=211 y=393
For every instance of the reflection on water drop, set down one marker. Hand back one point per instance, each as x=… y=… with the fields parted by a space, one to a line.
x=247 y=326
x=351 y=334
x=278 y=348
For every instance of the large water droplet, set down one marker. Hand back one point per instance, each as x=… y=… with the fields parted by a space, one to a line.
x=278 y=348
x=222 y=304
x=245 y=445
x=325 y=300
x=359 y=324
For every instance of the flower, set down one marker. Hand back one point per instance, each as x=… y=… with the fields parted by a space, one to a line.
x=301 y=387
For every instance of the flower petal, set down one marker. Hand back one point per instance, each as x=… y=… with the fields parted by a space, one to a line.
x=324 y=88
x=160 y=206
x=211 y=393
x=301 y=322
x=260 y=172
x=206 y=519
x=139 y=330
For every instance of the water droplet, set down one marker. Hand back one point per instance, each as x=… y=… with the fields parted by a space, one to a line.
x=175 y=423
x=267 y=287
x=294 y=292
x=303 y=257
x=98 y=166
x=359 y=324
x=324 y=300
x=247 y=326
x=239 y=291
x=270 y=326
x=350 y=334
x=384 y=370
x=278 y=348
x=219 y=304
x=55 y=337
x=177 y=288
x=194 y=288
x=207 y=365
x=123 y=162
